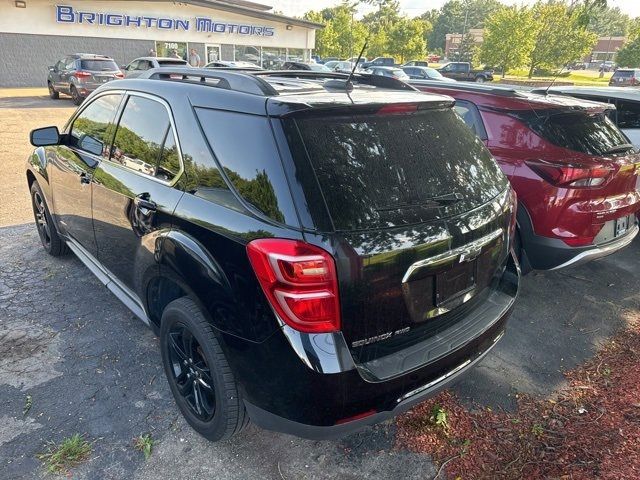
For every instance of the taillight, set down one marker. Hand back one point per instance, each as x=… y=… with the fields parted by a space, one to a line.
x=397 y=109
x=300 y=282
x=80 y=74
x=119 y=75
x=572 y=175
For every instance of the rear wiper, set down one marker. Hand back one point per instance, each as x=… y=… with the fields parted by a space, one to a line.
x=623 y=147
x=433 y=202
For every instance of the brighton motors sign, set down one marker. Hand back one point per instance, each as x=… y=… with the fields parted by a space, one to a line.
x=67 y=14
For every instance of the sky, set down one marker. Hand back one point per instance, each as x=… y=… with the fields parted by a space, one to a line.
x=414 y=8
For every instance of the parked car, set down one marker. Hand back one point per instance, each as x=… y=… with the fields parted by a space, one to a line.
x=463 y=71
x=195 y=200
x=380 y=62
x=625 y=77
x=574 y=171
x=608 y=66
x=577 y=66
x=340 y=66
x=416 y=63
x=233 y=65
x=626 y=115
x=426 y=73
x=316 y=67
x=80 y=74
x=392 y=72
x=142 y=64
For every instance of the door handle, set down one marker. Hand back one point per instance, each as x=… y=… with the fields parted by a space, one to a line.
x=142 y=202
x=85 y=178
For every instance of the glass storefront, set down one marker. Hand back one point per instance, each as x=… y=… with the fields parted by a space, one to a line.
x=269 y=57
x=172 y=49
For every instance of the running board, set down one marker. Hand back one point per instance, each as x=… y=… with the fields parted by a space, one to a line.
x=124 y=294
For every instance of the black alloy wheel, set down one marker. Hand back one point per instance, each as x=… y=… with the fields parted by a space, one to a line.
x=51 y=241
x=40 y=214
x=198 y=373
x=191 y=373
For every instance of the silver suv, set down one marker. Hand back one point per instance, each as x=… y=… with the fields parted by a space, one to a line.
x=80 y=74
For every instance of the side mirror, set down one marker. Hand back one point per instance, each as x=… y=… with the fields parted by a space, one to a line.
x=52 y=68
x=42 y=137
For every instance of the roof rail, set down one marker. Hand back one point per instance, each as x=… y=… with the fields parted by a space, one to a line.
x=362 y=78
x=471 y=87
x=240 y=81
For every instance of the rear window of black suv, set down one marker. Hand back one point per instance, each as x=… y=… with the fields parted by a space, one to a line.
x=384 y=170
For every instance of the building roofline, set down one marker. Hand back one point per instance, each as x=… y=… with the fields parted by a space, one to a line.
x=258 y=11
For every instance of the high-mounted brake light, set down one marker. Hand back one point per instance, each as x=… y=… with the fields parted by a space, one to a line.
x=81 y=74
x=397 y=109
x=572 y=175
x=300 y=282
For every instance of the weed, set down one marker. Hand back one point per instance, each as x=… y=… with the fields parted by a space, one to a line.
x=537 y=430
x=69 y=453
x=439 y=418
x=28 y=402
x=144 y=444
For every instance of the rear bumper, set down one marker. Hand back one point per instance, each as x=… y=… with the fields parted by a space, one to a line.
x=269 y=421
x=312 y=397
x=552 y=254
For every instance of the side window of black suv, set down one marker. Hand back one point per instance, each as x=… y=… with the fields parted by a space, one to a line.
x=145 y=140
x=92 y=130
x=251 y=164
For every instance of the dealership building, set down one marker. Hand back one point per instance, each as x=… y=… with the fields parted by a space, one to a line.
x=35 y=34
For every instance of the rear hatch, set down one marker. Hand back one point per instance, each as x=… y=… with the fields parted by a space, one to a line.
x=418 y=213
x=102 y=70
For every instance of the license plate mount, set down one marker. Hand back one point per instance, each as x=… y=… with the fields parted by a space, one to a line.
x=621 y=226
x=456 y=282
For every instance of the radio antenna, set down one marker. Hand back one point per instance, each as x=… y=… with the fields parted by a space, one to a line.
x=546 y=92
x=357 y=62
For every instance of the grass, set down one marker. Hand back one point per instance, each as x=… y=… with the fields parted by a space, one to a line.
x=72 y=451
x=144 y=444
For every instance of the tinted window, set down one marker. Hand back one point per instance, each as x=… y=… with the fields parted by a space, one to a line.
x=70 y=63
x=623 y=74
x=92 y=130
x=171 y=63
x=628 y=114
x=385 y=170
x=470 y=115
x=246 y=150
x=145 y=141
x=99 y=65
x=591 y=134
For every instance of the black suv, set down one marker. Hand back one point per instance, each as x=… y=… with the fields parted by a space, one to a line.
x=80 y=74
x=316 y=254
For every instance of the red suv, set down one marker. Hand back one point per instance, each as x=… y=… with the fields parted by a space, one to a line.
x=575 y=172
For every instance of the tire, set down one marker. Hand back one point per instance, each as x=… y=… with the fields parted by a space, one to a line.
x=75 y=96
x=480 y=79
x=52 y=92
x=52 y=243
x=193 y=361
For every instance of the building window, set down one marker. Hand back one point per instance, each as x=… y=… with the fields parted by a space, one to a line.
x=172 y=49
x=245 y=53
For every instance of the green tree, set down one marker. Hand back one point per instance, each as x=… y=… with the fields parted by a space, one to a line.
x=609 y=22
x=467 y=49
x=629 y=54
x=560 y=37
x=406 y=39
x=342 y=32
x=458 y=16
x=508 y=38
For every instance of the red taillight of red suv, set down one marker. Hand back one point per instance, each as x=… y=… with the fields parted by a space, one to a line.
x=572 y=175
x=300 y=282
x=80 y=75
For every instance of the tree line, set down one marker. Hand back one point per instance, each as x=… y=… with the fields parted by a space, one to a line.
x=546 y=35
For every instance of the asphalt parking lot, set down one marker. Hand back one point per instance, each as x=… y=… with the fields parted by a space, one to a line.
x=90 y=367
